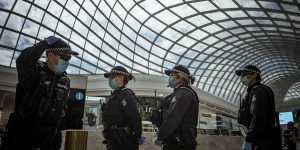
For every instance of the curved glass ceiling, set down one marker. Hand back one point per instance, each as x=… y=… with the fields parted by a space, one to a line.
x=294 y=92
x=213 y=38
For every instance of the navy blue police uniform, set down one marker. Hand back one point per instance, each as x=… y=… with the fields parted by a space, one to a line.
x=121 y=119
x=40 y=102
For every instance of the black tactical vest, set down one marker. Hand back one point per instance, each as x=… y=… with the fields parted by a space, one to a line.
x=113 y=108
x=44 y=100
x=53 y=94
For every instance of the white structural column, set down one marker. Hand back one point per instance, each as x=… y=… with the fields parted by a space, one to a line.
x=143 y=85
x=149 y=85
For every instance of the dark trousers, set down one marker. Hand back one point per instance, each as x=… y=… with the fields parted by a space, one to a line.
x=115 y=146
x=20 y=135
x=266 y=146
x=179 y=146
x=120 y=138
x=291 y=146
x=27 y=142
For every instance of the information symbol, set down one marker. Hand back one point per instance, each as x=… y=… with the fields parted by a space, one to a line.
x=79 y=96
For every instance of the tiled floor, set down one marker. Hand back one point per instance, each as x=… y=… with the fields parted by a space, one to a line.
x=205 y=142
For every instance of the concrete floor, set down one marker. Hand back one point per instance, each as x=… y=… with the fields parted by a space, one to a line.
x=205 y=142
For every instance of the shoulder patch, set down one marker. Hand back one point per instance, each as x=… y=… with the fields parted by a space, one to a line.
x=129 y=91
x=124 y=103
x=191 y=91
x=173 y=100
x=253 y=98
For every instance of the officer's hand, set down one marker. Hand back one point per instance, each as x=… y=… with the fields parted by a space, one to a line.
x=247 y=146
x=157 y=141
x=142 y=140
x=51 y=40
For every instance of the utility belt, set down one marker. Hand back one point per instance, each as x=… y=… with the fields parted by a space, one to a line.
x=19 y=128
x=120 y=135
x=185 y=137
x=173 y=139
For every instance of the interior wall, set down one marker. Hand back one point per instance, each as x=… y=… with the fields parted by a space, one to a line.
x=7 y=103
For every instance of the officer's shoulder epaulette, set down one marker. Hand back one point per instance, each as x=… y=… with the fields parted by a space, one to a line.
x=262 y=87
x=128 y=91
x=188 y=89
x=259 y=86
x=41 y=66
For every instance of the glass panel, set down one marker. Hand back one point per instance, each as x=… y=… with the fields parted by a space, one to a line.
x=223 y=35
x=104 y=8
x=88 y=5
x=142 y=52
x=184 y=61
x=246 y=22
x=142 y=42
x=203 y=6
x=167 y=17
x=172 y=57
x=236 y=14
x=15 y=22
x=170 y=3
x=151 y=6
x=248 y=3
x=21 y=7
x=88 y=67
x=199 y=20
x=183 y=26
x=228 y=24
x=200 y=47
x=198 y=34
x=155 y=59
x=210 y=40
x=227 y=4
x=80 y=28
x=269 y=5
x=9 y=38
x=178 y=50
x=212 y=28
x=174 y=35
x=55 y=9
x=290 y=8
x=139 y=13
x=216 y=16
x=50 y=21
x=24 y=42
x=6 y=56
x=183 y=10
x=79 y=40
x=158 y=51
x=155 y=25
x=283 y=23
x=83 y=16
x=187 y=41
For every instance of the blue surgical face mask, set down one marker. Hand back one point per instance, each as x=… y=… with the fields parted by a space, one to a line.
x=172 y=82
x=245 y=81
x=113 y=84
x=61 y=66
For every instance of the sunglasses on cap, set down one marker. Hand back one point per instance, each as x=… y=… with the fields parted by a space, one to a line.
x=247 y=73
x=112 y=76
x=175 y=75
x=63 y=56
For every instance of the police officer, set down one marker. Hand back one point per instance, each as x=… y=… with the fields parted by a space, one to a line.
x=41 y=95
x=121 y=119
x=257 y=112
x=180 y=112
x=290 y=136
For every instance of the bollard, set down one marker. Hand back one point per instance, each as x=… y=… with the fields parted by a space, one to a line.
x=76 y=140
